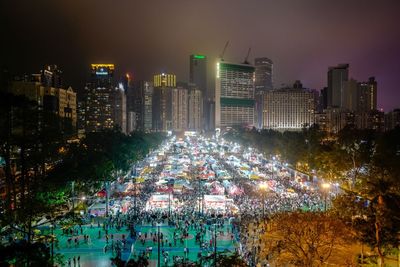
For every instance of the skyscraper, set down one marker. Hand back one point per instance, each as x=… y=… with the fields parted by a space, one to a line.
x=263 y=74
x=350 y=95
x=98 y=99
x=368 y=95
x=234 y=94
x=195 y=107
x=148 y=106
x=162 y=99
x=198 y=77
x=179 y=108
x=119 y=107
x=263 y=82
x=336 y=78
x=198 y=72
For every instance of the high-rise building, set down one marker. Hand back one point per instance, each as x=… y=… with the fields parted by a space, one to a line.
x=336 y=79
x=162 y=101
x=119 y=108
x=140 y=106
x=263 y=74
x=148 y=106
x=198 y=77
x=51 y=76
x=263 y=82
x=360 y=96
x=368 y=95
x=198 y=72
x=179 y=101
x=289 y=108
x=57 y=100
x=97 y=99
x=234 y=95
x=333 y=120
x=350 y=95
x=195 y=109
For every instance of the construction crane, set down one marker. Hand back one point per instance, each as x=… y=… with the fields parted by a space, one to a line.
x=247 y=57
x=223 y=51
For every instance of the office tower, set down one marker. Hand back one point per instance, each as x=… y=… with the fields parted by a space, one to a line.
x=148 y=106
x=263 y=82
x=134 y=103
x=198 y=72
x=263 y=74
x=368 y=95
x=336 y=78
x=51 y=76
x=179 y=101
x=98 y=98
x=119 y=108
x=234 y=95
x=289 y=108
x=350 y=95
x=198 y=77
x=195 y=109
x=140 y=106
x=162 y=101
x=126 y=81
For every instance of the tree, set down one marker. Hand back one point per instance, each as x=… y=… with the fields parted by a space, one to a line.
x=303 y=239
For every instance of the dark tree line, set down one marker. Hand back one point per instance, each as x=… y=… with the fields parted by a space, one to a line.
x=366 y=163
x=42 y=157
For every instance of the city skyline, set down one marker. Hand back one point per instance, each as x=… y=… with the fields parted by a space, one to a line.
x=302 y=39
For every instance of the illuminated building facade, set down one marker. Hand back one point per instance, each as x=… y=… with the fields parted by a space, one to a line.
x=234 y=95
x=368 y=94
x=162 y=101
x=140 y=103
x=62 y=102
x=148 y=106
x=195 y=107
x=98 y=99
x=179 y=108
x=288 y=108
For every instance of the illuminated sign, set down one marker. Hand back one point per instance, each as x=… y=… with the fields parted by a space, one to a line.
x=101 y=72
x=98 y=66
x=199 y=56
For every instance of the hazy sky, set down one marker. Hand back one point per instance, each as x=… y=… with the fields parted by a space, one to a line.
x=143 y=37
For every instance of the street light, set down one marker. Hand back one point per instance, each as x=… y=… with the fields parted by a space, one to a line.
x=263 y=188
x=325 y=187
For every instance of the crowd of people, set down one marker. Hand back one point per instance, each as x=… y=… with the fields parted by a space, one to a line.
x=207 y=167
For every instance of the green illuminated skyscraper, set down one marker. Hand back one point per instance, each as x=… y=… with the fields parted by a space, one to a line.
x=198 y=77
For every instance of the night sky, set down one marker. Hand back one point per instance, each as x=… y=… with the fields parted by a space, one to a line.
x=143 y=37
